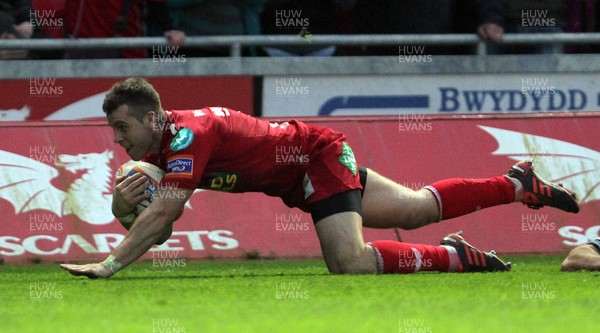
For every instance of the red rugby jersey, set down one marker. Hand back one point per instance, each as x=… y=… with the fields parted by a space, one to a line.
x=225 y=150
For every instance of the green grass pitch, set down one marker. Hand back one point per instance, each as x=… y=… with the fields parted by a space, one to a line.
x=298 y=296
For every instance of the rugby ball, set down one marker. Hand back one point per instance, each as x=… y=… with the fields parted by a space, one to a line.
x=151 y=171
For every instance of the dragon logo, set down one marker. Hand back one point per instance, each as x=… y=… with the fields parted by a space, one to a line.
x=574 y=166
x=14 y=114
x=27 y=184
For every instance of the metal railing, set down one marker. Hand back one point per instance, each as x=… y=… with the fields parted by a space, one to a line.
x=236 y=43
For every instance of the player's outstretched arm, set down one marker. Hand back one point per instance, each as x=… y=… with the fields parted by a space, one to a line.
x=148 y=229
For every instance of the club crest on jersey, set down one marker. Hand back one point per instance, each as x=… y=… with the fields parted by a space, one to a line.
x=182 y=165
x=182 y=140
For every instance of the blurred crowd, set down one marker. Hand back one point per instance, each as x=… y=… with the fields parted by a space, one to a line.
x=176 y=19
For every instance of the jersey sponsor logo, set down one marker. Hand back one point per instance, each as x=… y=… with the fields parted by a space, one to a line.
x=347 y=158
x=182 y=165
x=221 y=181
x=182 y=140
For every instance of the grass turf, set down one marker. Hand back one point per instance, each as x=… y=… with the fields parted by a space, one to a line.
x=298 y=296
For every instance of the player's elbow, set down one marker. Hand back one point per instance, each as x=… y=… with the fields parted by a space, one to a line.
x=162 y=227
x=163 y=218
x=164 y=215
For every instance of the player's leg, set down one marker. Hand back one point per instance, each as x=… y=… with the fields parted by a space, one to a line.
x=339 y=227
x=584 y=257
x=345 y=252
x=331 y=189
x=342 y=245
x=332 y=192
x=387 y=204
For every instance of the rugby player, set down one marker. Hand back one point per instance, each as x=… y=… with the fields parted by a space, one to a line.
x=222 y=149
x=583 y=257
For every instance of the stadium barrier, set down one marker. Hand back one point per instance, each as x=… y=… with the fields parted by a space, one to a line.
x=235 y=43
x=55 y=184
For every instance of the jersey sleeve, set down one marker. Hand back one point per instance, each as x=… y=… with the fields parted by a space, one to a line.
x=186 y=156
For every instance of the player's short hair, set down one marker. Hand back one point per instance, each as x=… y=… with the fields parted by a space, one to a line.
x=135 y=92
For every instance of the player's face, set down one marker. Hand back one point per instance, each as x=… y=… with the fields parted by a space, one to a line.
x=137 y=137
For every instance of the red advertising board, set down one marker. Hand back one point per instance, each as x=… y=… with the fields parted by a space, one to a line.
x=76 y=99
x=56 y=178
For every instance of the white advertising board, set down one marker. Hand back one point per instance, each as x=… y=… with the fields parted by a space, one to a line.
x=432 y=94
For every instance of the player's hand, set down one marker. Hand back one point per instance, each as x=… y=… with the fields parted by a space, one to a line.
x=92 y=271
x=490 y=32
x=128 y=192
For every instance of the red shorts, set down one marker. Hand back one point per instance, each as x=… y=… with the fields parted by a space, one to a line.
x=332 y=169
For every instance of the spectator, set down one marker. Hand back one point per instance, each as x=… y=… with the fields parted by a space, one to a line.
x=486 y=18
x=111 y=18
x=428 y=17
x=532 y=16
x=213 y=18
x=303 y=18
x=14 y=24
x=582 y=17
x=48 y=21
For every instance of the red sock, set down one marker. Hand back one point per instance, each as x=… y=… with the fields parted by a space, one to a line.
x=460 y=196
x=404 y=258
